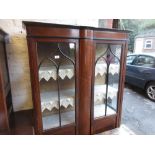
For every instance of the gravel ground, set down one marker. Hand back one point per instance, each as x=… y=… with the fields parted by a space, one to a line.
x=138 y=111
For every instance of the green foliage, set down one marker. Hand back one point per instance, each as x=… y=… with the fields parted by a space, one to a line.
x=136 y=26
x=147 y=24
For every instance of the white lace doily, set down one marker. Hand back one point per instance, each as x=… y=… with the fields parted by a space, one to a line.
x=45 y=73
x=54 y=104
x=100 y=92
x=50 y=100
x=66 y=73
x=102 y=69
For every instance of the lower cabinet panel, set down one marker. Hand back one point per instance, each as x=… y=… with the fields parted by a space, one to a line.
x=65 y=130
x=104 y=124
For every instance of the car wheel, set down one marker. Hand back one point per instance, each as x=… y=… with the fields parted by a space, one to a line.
x=150 y=91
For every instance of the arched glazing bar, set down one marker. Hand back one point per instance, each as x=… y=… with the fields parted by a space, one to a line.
x=57 y=64
x=108 y=56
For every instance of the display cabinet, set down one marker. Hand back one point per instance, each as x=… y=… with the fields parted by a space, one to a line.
x=77 y=77
x=5 y=89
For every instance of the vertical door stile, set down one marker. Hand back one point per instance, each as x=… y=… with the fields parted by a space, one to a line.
x=85 y=78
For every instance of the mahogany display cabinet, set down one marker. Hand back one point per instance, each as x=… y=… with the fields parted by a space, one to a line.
x=77 y=76
x=5 y=89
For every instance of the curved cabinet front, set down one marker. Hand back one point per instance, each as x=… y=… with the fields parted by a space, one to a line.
x=77 y=76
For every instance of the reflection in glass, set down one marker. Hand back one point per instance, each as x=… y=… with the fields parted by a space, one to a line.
x=57 y=83
x=107 y=66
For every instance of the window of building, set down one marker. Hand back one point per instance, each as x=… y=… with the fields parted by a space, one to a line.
x=148 y=44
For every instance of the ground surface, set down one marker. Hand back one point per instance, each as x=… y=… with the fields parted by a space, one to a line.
x=138 y=112
x=122 y=130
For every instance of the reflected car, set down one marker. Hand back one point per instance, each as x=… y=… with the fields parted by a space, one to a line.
x=140 y=72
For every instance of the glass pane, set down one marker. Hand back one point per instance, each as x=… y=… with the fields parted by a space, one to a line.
x=67 y=93
x=3 y=65
x=113 y=78
x=106 y=79
x=100 y=80
x=130 y=59
x=57 y=83
x=145 y=61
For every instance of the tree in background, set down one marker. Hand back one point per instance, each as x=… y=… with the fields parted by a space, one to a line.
x=147 y=24
x=136 y=26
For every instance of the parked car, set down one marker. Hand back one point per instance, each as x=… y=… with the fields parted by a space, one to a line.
x=140 y=72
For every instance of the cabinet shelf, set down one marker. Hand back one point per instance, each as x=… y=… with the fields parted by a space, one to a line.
x=101 y=69
x=99 y=110
x=100 y=93
x=68 y=71
x=48 y=73
x=49 y=100
x=52 y=121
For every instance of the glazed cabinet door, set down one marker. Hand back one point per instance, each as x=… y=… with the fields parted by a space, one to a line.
x=107 y=85
x=55 y=73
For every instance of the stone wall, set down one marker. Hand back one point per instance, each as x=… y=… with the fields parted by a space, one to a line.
x=19 y=71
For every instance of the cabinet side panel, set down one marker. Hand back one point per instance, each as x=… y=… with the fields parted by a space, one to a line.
x=35 y=85
x=122 y=81
x=4 y=124
x=3 y=111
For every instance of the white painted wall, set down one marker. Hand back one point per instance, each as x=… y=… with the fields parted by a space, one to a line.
x=138 y=45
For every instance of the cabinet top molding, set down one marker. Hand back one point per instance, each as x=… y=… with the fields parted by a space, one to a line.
x=27 y=23
x=47 y=30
